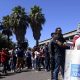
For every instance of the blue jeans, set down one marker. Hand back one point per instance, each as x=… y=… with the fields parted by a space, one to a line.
x=59 y=62
x=47 y=64
x=34 y=63
x=38 y=63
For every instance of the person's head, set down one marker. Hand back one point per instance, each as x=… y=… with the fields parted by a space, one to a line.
x=47 y=43
x=58 y=30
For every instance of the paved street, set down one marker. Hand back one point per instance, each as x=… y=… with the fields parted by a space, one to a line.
x=28 y=75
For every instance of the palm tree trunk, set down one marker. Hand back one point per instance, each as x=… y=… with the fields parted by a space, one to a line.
x=37 y=42
x=8 y=40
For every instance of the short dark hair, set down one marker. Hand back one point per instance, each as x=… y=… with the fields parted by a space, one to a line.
x=58 y=28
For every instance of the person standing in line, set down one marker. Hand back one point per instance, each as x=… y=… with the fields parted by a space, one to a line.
x=42 y=57
x=51 y=48
x=20 y=59
x=13 y=59
x=75 y=42
x=59 y=51
x=4 y=61
x=29 y=60
x=33 y=59
x=76 y=38
x=37 y=58
x=47 y=57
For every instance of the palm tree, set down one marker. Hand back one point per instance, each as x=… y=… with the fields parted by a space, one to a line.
x=19 y=23
x=1 y=26
x=4 y=43
x=36 y=21
x=6 y=26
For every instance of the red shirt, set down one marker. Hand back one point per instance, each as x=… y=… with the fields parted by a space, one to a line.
x=3 y=56
x=0 y=56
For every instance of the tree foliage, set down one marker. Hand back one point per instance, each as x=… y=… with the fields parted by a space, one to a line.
x=4 y=42
x=37 y=19
x=19 y=23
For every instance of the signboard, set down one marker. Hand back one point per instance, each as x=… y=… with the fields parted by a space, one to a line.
x=72 y=65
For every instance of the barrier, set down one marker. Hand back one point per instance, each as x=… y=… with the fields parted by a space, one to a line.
x=72 y=65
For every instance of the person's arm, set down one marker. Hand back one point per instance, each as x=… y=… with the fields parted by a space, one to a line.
x=51 y=48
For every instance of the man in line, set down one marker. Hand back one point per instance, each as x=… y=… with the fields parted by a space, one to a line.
x=58 y=53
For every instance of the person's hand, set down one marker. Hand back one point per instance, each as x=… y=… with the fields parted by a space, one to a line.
x=59 y=43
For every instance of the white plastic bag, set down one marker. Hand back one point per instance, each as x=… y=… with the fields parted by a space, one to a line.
x=72 y=65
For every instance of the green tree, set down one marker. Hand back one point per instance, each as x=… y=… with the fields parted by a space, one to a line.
x=36 y=21
x=19 y=23
x=6 y=26
x=4 y=43
x=1 y=26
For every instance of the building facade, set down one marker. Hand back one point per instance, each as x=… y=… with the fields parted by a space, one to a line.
x=68 y=36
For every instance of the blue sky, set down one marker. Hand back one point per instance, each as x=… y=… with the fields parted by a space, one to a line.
x=58 y=13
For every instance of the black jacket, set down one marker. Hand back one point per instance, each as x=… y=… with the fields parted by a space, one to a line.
x=55 y=49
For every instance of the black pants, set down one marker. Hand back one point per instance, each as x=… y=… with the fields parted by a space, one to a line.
x=52 y=66
x=4 y=67
x=29 y=64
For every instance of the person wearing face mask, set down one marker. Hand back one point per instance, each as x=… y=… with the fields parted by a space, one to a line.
x=76 y=38
x=51 y=48
x=73 y=58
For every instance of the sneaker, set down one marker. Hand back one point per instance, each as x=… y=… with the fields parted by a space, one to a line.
x=45 y=70
x=36 y=71
x=32 y=68
x=17 y=69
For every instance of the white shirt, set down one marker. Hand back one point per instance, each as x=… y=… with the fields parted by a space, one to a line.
x=36 y=54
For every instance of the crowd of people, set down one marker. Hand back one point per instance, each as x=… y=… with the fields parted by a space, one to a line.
x=16 y=59
x=50 y=57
